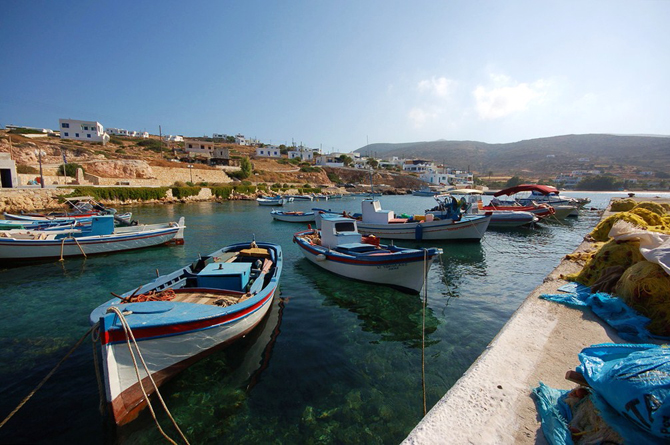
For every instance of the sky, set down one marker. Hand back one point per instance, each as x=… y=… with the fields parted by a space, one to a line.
x=338 y=75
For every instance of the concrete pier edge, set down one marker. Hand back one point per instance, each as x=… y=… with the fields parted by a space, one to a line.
x=492 y=403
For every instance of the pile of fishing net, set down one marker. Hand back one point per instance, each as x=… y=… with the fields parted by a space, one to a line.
x=622 y=267
x=645 y=287
x=645 y=215
x=612 y=254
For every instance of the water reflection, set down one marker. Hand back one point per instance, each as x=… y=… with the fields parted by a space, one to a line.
x=389 y=313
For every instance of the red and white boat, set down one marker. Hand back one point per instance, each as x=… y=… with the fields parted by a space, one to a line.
x=180 y=318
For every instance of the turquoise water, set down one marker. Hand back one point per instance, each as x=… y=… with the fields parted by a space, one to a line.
x=337 y=361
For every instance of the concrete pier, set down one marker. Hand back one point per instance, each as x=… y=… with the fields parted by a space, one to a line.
x=491 y=403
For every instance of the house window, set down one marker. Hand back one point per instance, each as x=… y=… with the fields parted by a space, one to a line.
x=66 y=134
x=76 y=135
x=261 y=151
x=88 y=135
x=86 y=128
x=66 y=125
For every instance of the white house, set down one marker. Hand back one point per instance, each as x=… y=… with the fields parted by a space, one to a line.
x=82 y=130
x=240 y=139
x=418 y=166
x=331 y=160
x=447 y=176
x=268 y=151
x=171 y=138
x=303 y=153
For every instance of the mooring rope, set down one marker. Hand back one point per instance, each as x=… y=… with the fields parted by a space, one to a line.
x=423 y=328
x=48 y=376
x=130 y=336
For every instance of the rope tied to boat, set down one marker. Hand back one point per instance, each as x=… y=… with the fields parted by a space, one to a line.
x=423 y=328
x=48 y=376
x=130 y=336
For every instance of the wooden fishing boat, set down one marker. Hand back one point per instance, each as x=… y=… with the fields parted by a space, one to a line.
x=296 y=216
x=384 y=224
x=181 y=317
x=339 y=248
x=99 y=237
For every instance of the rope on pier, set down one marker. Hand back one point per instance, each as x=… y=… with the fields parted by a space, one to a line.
x=48 y=376
x=130 y=336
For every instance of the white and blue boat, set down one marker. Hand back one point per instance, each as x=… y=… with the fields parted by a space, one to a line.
x=339 y=248
x=180 y=318
x=271 y=201
x=100 y=236
x=293 y=216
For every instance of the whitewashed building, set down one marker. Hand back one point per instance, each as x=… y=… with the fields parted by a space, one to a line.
x=91 y=131
x=303 y=153
x=330 y=160
x=240 y=139
x=268 y=151
x=419 y=166
x=172 y=138
x=448 y=177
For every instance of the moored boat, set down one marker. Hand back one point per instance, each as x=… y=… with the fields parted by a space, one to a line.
x=99 y=237
x=543 y=194
x=384 y=224
x=339 y=248
x=271 y=201
x=499 y=218
x=295 y=216
x=181 y=317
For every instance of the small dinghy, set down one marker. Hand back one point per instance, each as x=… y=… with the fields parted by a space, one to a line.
x=271 y=201
x=181 y=317
x=298 y=217
x=339 y=248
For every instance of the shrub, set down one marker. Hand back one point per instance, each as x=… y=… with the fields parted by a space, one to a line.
x=122 y=193
x=26 y=169
x=116 y=140
x=69 y=169
x=183 y=192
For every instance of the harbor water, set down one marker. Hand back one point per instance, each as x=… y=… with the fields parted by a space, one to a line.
x=336 y=361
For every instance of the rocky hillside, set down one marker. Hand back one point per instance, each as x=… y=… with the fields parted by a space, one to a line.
x=543 y=156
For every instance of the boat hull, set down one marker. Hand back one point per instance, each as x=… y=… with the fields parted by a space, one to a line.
x=466 y=229
x=405 y=273
x=296 y=218
x=166 y=355
x=512 y=219
x=19 y=249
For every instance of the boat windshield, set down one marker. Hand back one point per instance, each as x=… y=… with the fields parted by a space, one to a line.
x=345 y=226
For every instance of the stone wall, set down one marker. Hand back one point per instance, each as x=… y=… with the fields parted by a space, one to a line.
x=29 y=200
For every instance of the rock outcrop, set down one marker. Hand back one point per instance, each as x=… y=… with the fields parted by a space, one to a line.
x=120 y=168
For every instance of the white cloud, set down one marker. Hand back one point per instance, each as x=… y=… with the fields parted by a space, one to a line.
x=440 y=87
x=419 y=117
x=505 y=97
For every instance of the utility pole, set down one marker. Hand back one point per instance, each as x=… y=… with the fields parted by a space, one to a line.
x=160 y=139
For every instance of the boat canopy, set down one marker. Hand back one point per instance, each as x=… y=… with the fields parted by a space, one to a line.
x=543 y=189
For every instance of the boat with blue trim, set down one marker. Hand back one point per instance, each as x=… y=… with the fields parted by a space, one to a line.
x=293 y=216
x=339 y=248
x=181 y=317
x=94 y=235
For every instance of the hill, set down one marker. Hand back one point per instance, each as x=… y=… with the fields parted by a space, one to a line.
x=543 y=156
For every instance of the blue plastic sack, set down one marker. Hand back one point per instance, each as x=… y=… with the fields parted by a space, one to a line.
x=629 y=324
x=555 y=414
x=634 y=380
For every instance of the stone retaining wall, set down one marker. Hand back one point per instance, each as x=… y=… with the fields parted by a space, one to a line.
x=29 y=200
